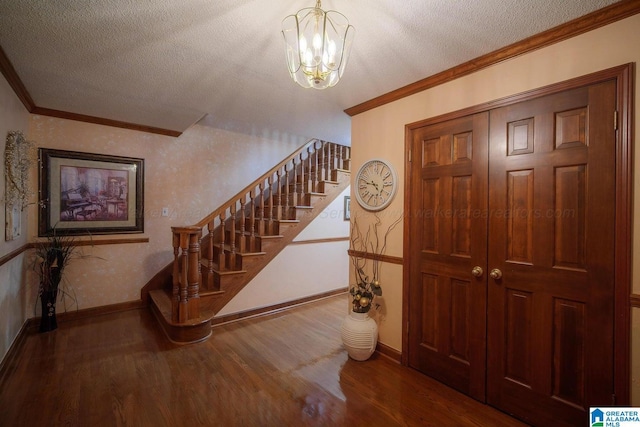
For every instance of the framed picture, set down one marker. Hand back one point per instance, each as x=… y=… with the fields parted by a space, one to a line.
x=347 y=208
x=83 y=193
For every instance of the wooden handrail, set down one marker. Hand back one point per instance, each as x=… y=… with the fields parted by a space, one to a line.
x=254 y=184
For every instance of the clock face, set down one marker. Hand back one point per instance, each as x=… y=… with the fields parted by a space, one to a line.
x=376 y=184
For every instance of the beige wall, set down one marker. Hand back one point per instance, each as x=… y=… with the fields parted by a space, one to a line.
x=302 y=269
x=191 y=175
x=380 y=132
x=13 y=117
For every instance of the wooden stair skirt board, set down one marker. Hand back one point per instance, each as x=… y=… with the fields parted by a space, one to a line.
x=231 y=256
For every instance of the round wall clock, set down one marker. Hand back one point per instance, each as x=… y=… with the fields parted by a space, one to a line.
x=376 y=184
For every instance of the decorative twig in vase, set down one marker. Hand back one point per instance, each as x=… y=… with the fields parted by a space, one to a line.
x=363 y=247
x=52 y=256
x=359 y=331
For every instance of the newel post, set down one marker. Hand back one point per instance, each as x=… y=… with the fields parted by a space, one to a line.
x=185 y=301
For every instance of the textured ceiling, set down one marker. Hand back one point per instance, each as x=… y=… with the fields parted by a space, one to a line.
x=171 y=63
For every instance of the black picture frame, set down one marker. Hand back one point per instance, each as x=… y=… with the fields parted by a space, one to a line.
x=86 y=193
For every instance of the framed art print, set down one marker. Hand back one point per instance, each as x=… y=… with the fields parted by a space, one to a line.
x=83 y=193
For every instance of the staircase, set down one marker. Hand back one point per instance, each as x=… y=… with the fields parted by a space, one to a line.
x=215 y=258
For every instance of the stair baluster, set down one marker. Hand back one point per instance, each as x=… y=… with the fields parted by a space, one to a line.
x=346 y=155
x=287 y=187
x=313 y=168
x=252 y=220
x=232 y=237
x=242 y=247
x=322 y=161
x=327 y=163
x=209 y=282
x=222 y=261
x=300 y=183
x=307 y=180
x=260 y=211
x=269 y=205
x=294 y=182
x=334 y=159
x=278 y=195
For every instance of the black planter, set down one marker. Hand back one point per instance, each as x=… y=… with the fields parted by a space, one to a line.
x=48 y=302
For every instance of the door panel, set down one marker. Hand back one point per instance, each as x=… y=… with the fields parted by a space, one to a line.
x=539 y=336
x=448 y=311
x=554 y=246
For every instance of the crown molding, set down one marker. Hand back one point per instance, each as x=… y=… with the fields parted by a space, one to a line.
x=14 y=81
x=586 y=23
x=22 y=93
x=103 y=121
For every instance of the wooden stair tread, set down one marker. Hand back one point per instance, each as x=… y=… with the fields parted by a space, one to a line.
x=228 y=272
x=250 y=254
x=204 y=294
x=270 y=237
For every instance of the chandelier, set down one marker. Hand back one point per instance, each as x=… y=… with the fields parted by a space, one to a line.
x=317 y=45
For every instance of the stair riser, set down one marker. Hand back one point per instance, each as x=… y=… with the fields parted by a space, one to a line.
x=265 y=227
x=266 y=244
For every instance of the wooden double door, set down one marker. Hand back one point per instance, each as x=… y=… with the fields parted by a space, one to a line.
x=511 y=290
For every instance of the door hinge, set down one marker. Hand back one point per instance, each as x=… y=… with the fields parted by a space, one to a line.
x=409 y=156
x=615 y=120
x=613 y=399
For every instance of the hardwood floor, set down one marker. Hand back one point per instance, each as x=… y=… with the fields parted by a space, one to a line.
x=279 y=370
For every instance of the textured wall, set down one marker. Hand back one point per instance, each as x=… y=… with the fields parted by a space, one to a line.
x=190 y=175
x=13 y=117
x=302 y=269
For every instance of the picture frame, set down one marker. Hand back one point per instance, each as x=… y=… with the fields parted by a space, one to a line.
x=85 y=193
x=347 y=208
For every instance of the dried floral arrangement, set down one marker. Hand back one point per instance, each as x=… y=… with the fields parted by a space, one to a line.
x=19 y=158
x=51 y=256
x=367 y=288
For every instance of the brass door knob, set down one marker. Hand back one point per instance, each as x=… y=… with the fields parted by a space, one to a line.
x=496 y=274
x=477 y=271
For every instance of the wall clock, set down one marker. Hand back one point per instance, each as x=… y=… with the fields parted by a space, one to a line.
x=376 y=184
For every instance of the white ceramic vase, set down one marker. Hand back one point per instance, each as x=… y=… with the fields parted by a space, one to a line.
x=359 y=335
